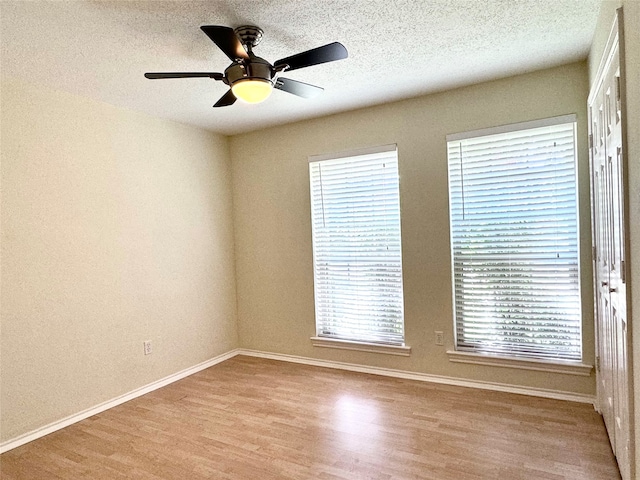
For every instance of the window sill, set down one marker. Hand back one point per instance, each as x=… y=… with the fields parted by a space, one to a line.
x=325 y=342
x=564 y=367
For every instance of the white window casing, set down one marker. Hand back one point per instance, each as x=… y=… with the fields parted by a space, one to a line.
x=355 y=212
x=514 y=240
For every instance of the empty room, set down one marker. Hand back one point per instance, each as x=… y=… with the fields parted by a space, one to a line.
x=366 y=239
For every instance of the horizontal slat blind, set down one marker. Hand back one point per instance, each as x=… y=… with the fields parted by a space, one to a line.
x=514 y=237
x=355 y=212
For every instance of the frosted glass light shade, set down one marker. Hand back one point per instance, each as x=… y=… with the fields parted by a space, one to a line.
x=252 y=90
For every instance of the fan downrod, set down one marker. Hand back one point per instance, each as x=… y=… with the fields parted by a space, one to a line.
x=249 y=35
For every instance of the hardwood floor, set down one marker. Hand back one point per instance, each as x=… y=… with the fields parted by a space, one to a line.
x=250 y=418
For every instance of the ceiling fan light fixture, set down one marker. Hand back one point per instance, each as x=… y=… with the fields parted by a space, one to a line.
x=252 y=90
x=252 y=78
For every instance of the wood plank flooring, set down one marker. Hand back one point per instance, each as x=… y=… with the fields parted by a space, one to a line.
x=251 y=418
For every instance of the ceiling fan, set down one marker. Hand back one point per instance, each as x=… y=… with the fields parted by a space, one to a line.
x=252 y=78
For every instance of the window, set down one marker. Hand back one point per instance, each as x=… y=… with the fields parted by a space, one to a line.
x=514 y=240
x=355 y=211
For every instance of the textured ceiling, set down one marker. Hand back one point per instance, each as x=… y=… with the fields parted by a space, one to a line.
x=397 y=49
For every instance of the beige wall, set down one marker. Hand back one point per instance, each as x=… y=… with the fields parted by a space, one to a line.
x=273 y=232
x=116 y=228
x=631 y=46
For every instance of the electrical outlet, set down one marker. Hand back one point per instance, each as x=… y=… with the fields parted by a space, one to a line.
x=147 y=347
x=439 y=338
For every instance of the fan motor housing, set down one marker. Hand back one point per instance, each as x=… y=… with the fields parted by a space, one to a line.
x=256 y=68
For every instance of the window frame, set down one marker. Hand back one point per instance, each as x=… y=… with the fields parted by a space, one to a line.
x=514 y=358
x=343 y=342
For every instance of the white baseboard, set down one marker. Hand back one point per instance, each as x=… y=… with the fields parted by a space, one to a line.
x=424 y=377
x=65 y=422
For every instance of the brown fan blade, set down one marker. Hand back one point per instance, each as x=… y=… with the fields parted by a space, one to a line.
x=298 y=88
x=227 y=99
x=327 y=53
x=214 y=75
x=226 y=40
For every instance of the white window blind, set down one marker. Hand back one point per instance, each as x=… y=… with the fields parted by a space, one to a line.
x=514 y=240
x=355 y=210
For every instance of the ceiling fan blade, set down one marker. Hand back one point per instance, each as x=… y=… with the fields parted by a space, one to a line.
x=327 y=53
x=214 y=75
x=298 y=88
x=226 y=39
x=227 y=99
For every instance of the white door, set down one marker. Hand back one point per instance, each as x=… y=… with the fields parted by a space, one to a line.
x=607 y=178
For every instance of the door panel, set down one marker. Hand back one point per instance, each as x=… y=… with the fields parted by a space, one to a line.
x=608 y=207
